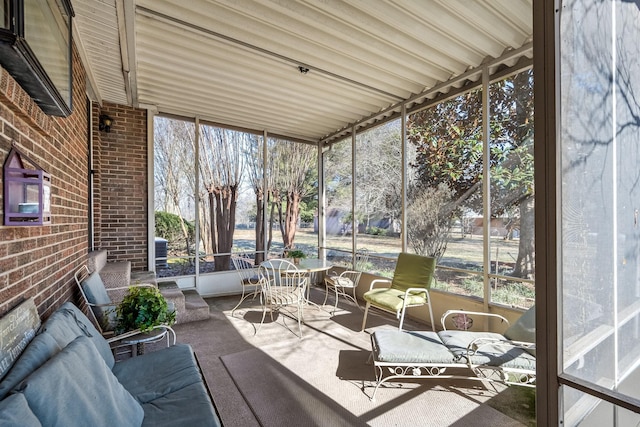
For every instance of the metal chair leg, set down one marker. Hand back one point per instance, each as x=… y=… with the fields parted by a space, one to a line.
x=364 y=319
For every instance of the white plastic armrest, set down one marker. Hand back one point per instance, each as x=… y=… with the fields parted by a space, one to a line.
x=373 y=282
x=475 y=313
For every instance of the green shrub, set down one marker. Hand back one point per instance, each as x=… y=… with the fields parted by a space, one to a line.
x=376 y=231
x=168 y=226
x=295 y=253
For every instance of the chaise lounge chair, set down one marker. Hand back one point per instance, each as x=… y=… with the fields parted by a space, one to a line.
x=508 y=358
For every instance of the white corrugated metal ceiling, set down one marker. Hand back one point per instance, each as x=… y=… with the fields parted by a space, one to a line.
x=237 y=63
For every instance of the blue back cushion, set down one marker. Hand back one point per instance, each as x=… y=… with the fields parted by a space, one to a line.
x=76 y=387
x=68 y=323
x=96 y=293
x=524 y=329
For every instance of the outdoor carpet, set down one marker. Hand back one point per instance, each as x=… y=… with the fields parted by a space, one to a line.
x=299 y=384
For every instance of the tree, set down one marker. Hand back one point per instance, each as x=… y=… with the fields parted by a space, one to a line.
x=448 y=142
x=174 y=171
x=291 y=172
x=512 y=174
x=221 y=168
x=255 y=166
x=428 y=231
x=337 y=163
x=379 y=174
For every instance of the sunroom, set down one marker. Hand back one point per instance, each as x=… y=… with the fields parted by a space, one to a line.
x=391 y=127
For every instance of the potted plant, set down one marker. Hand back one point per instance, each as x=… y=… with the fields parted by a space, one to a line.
x=144 y=308
x=296 y=254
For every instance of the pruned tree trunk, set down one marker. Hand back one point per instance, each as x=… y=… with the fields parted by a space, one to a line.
x=212 y=221
x=225 y=216
x=260 y=239
x=526 y=262
x=270 y=225
x=291 y=219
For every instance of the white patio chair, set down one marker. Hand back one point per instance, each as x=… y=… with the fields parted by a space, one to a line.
x=249 y=277
x=347 y=280
x=101 y=310
x=283 y=285
x=409 y=287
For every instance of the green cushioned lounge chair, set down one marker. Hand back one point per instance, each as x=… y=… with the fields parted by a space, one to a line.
x=409 y=287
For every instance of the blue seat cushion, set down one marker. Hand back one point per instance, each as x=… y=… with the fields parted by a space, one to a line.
x=158 y=373
x=76 y=387
x=190 y=405
x=15 y=412
x=497 y=354
x=393 y=346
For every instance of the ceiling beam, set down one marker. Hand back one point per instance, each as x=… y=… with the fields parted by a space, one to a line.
x=126 y=21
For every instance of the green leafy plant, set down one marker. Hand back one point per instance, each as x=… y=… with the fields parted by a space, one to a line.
x=295 y=253
x=143 y=308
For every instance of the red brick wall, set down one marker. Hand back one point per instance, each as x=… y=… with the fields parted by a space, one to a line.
x=121 y=186
x=39 y=261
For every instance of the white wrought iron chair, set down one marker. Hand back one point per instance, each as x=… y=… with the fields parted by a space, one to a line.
x=249 y=277
x=101 y=310
x=347 y=280
x=283 y=285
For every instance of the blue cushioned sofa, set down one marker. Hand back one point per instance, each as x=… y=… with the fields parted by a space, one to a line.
x=67 y=376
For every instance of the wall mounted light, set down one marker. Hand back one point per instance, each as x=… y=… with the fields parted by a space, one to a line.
x=105 y=123
x=27 y=191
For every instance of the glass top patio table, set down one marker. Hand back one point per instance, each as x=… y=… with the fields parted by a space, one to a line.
x=310 y=265
x=313 y=265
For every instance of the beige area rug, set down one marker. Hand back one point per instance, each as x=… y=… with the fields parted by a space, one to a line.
x=319 y=380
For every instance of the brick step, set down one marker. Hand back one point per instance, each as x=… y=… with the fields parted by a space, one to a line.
x=196 y=307
x=188 y=303
x=143 y=277
x=116 y=274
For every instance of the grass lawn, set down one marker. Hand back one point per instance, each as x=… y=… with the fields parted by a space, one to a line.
x=464 y=253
